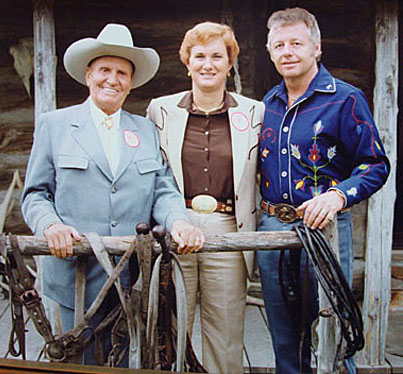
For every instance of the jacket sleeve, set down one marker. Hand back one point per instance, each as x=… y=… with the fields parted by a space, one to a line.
x=168 y=203
x=38 y=195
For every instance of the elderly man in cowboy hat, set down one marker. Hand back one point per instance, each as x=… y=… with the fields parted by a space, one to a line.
x=97 y=168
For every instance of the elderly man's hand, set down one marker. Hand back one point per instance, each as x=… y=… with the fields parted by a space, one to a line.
x=60 y=239
x=321 y=210
x=188 y=237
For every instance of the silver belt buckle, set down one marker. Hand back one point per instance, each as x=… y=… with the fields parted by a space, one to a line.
x=204 y=204
x=285 y=213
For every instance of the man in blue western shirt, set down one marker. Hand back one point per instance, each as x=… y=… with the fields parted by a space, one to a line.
x=320 y=153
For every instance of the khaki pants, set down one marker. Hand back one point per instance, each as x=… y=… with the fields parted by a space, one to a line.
x=219 y=279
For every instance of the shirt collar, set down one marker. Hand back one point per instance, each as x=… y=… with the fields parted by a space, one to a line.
x=98 y=115
x=187 y=101
x=322 y=82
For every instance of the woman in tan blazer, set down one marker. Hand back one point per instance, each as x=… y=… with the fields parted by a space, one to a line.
x=209 y=138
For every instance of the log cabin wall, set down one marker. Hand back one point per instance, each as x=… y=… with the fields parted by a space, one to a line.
x=347 y=42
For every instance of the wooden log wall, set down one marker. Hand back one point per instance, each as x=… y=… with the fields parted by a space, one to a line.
x=347 y=42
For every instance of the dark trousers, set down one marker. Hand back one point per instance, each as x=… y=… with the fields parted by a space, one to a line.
x=285 y=318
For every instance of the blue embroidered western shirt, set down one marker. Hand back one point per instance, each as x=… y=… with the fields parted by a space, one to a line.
x=326 y=139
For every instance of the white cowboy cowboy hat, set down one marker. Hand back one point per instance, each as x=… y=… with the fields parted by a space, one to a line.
x=113 y=40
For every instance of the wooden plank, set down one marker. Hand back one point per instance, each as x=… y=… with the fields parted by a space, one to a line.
x=380 y=206
x=6 y=205
x=16 y=137
x=9 y=366
x=257 y=340
x=328 y=327
x=9 y=163
x=397 y=255
x=395 y=331
x=34 y=342
x=397 y=264
x=395 y=362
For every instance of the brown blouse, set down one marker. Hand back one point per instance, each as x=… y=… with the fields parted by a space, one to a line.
x=207 y=152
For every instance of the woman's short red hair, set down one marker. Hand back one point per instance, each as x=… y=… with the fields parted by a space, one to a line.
x=203 y=33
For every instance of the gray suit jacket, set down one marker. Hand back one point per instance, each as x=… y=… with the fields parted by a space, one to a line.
x=69 y=180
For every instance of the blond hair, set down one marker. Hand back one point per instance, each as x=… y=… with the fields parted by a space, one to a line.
x=205 y=32
x=291 y=16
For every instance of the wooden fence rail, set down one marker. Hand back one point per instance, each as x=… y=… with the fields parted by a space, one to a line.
x=117 y=245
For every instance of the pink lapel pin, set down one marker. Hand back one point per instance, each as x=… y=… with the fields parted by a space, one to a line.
x=131 y=139
x=240 y=121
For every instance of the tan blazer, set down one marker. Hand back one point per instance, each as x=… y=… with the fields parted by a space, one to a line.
x=245 y=120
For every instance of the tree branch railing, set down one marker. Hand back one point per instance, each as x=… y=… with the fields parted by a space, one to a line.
x=230 y=242
x=117 y=245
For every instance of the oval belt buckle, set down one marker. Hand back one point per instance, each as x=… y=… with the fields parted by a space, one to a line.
x=285 y=213
x=204 y=204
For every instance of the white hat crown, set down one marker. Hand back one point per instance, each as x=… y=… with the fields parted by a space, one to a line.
x=116 y=34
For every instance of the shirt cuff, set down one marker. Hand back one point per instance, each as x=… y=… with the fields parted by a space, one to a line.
x=44 y=222
x=341 y=194
x=175 y=216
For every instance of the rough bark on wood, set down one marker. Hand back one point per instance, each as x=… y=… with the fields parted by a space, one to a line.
x=117 y=245
x=380 y=207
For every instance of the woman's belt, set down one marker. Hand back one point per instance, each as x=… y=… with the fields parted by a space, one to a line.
x=208 y=204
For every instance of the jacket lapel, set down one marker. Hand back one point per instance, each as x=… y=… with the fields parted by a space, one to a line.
x=178 y=117
x=128 y=143
x=84 y=132
x=240 y=122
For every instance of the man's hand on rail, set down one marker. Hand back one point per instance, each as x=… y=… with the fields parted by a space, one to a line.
x=188 y=237
x=321 y=210
x=60 y=239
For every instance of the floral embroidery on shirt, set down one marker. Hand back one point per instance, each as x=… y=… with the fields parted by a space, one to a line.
x=314 y=156
x=265 y=153
x=268 y=133
x=352 y=191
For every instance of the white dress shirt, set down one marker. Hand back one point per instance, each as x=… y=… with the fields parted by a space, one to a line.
x=109 y=138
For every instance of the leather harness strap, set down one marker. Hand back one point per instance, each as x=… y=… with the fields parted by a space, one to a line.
x=23 y=293
x=147 y=303
x=79 y=299
x=168 y=301
x=69 y=344
x=105 y=261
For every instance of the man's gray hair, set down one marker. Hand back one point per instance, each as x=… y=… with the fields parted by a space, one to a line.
x=291 y=16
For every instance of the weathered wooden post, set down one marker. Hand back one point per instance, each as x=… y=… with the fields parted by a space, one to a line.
x=380 y=207
x=45 y=92
x=328 y=329
x=44 y=57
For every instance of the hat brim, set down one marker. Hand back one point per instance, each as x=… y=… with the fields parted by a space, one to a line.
x=81 y=53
